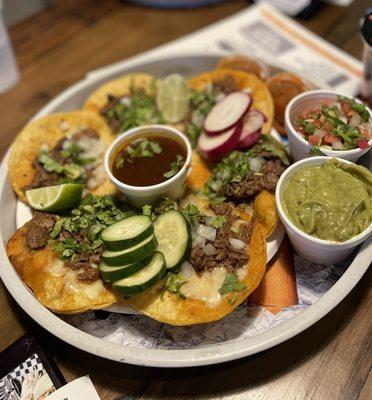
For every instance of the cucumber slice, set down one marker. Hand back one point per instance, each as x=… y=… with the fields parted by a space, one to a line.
x=112 y=274
x=173 y=233
x=132 y=254
x=143 y=279
x=127 y=232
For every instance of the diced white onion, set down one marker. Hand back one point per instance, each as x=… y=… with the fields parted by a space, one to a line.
x=187 y=270
x=126 y=101
x=44 y=147
x=256 y=163
x=338 y=146
x=197 y=118
x=247 y=89
x=237 y=244
x=207 y=231
x=209 y=249
x=355 y=120
x=343 y=119
x=199 y=241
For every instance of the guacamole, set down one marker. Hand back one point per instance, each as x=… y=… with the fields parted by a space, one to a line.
x=331 y=201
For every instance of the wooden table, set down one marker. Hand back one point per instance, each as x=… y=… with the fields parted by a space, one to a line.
x=331 y=360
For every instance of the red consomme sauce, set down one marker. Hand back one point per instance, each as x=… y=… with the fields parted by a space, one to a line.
x=142 y=170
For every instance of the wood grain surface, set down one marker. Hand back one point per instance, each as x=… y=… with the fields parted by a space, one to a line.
x=331 y=360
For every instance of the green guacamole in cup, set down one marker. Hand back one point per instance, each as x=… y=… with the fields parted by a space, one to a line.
x=331 y=201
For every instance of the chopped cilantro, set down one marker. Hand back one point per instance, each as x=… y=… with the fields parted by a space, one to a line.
x=79 y=231
x=192 y=214
x=147 y=210
x=119 y=162
x=69 y=170
x=140 y=110
x=231 y=284
x=166 y=204
x=201 y=102
x=315 y=151
x=218 y=221
x=173 y=283
x=175 y=166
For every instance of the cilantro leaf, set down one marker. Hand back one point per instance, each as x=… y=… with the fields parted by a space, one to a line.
x=231 y=284
x=218 y=221
x=315 y=151
x=173 y=283
x=175 y=166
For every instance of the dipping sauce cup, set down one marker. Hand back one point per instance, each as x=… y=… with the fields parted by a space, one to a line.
x=316 y=250
x=150 y=195
x=299 y=146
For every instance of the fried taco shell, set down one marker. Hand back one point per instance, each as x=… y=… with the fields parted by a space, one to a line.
x=169 y=308
x=49 y=130
x=53 y=284
x=262 y=99
x=243 y=63
x=118 y=87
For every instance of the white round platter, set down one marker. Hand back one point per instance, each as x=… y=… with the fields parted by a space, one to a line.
x=218 y=346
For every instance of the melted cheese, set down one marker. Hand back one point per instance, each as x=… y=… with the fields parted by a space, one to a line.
x=90 y=290
x=56 y=269
x=205 y=287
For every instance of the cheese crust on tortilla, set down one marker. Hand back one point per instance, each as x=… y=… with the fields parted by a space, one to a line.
x=49 y=130
x=53 y=284
x=261 y=96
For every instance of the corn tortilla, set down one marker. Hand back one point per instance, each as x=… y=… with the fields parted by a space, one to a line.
x=53 y=284
x=48 y=131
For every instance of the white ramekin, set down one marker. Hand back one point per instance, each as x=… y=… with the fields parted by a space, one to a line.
x=299 y=146
x=313 y=249
x=141 y=195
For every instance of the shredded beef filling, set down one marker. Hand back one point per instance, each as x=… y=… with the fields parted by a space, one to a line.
x=225 y=256
x=225 y=85
x=107 y=111
x=38 y=230
x=38 y=234
x=42 y=177
x=87 y=265
x=253 y=183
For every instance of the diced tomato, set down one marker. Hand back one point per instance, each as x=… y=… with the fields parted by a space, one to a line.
x=327 y=126
x=362 y=143
x=345 y=107
x=313 y=139
x=329 y=139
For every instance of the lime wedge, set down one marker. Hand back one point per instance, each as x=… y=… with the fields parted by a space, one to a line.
x=172 y=98
x=55 y=198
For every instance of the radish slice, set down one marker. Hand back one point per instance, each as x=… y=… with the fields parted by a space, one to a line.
x=248 y=140
x=252 y=126
x=215 y=147
x=227 y=113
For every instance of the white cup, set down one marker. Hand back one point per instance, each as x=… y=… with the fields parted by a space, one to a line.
x=319 y=251
x=8 y=67
x=142 y=195
x=300 y=147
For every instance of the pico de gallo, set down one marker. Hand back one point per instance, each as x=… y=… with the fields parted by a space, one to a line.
x=341 y=124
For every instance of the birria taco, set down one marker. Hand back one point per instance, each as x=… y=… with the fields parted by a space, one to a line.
x=60 y=148
x=57 y=256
